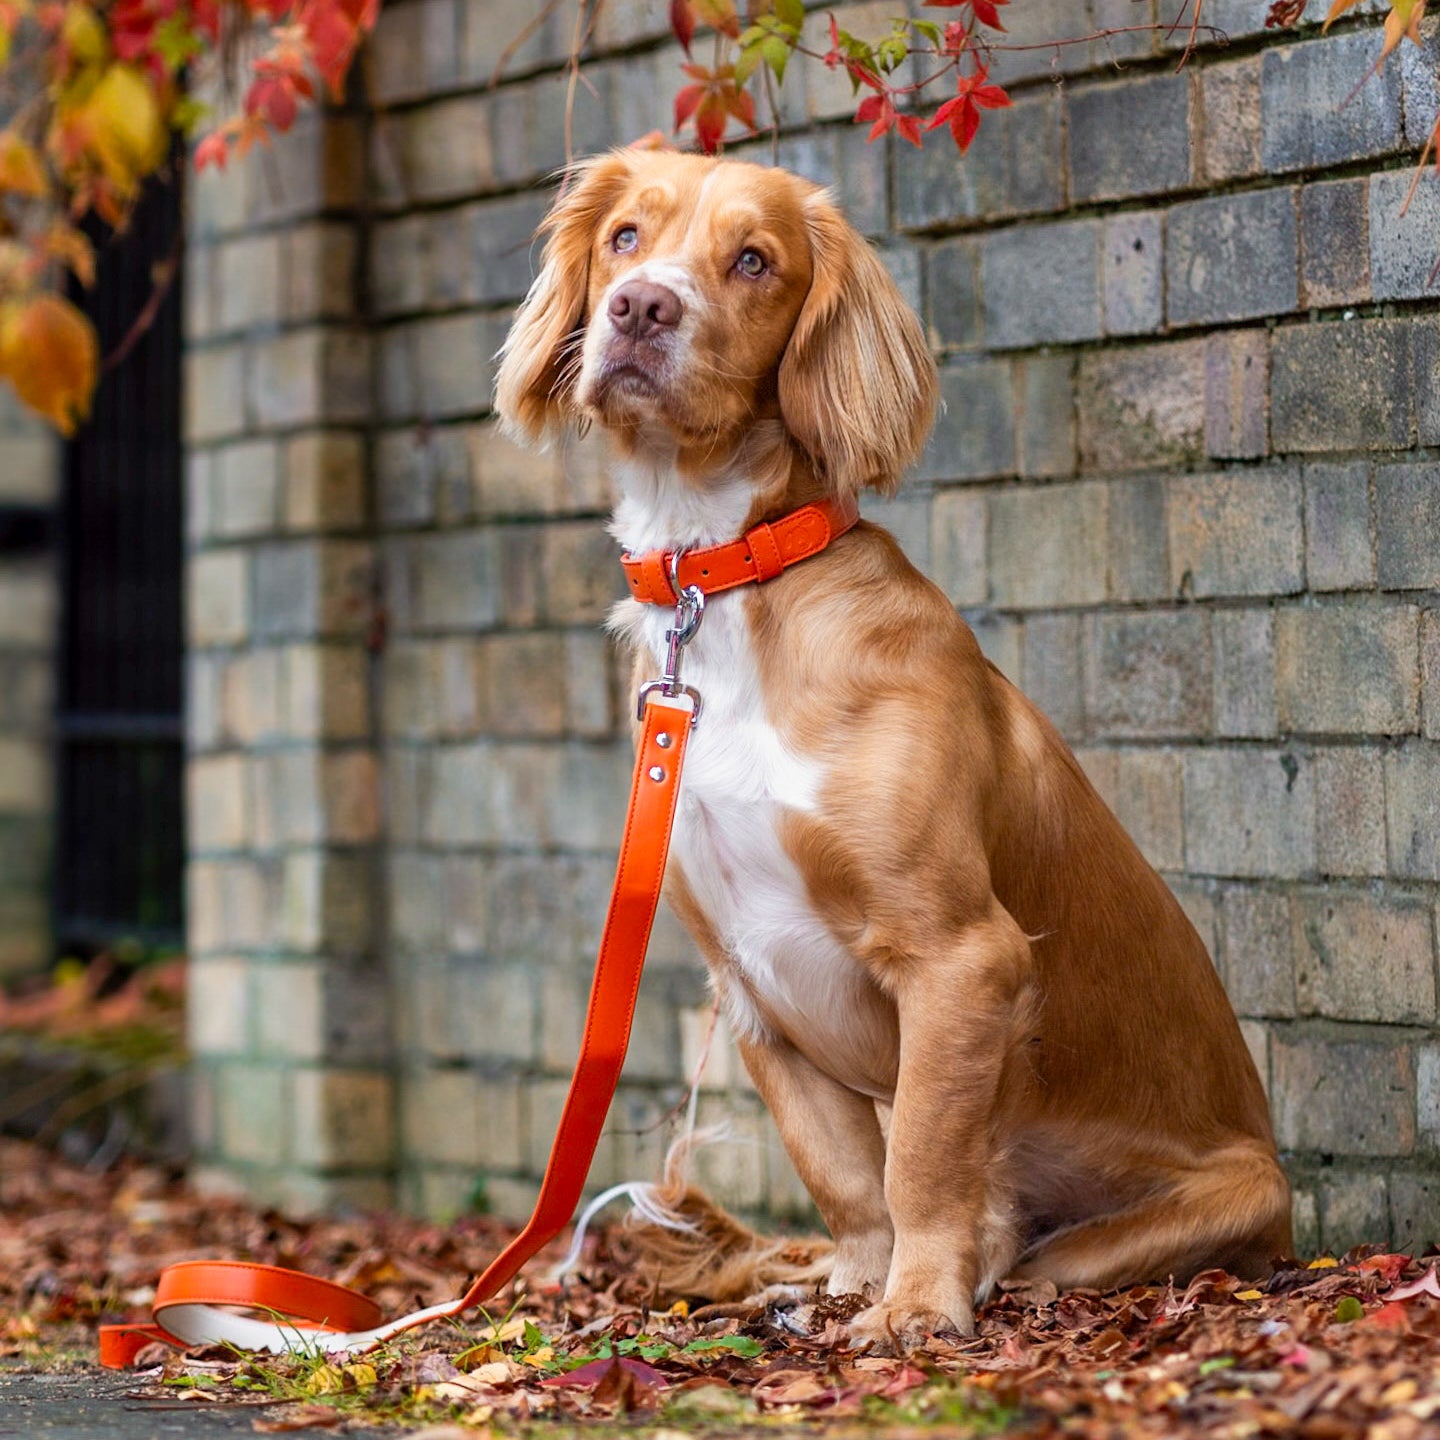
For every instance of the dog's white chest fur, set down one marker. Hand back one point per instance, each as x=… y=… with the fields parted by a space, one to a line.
x=791 y=974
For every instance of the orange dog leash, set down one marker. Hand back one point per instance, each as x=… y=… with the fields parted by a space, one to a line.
x=303 y=1312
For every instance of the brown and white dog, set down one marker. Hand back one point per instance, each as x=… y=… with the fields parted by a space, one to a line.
x=991 y=1040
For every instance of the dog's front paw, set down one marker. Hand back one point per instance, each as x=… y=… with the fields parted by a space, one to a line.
x=894 y=1328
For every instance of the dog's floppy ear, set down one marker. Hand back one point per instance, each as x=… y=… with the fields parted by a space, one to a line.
x=540 y=360
x=857 y=384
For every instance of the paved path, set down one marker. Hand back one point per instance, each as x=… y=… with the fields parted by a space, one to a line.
x=93 y=1405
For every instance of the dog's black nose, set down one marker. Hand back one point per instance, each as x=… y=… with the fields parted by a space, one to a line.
x=639 y=308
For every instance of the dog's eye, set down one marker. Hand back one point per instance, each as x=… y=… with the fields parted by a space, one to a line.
x=627 y=237
x=752 y=264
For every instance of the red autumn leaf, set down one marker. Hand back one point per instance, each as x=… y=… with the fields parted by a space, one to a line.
x=687 y=101
x=682 y=22
x=1390 y=1316
x=987 y=13
x=212 y=150
x=871 y=108
x=1389 y=1267
x=1425 y=1285
x=990 y=97
x=710 y=121
x=597 y=1370
x=909 y=127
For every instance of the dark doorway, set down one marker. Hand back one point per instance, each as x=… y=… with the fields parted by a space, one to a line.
x=119 y=858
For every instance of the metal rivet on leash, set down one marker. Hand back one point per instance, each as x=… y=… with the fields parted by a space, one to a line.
x=663 y=739
x=657 y=773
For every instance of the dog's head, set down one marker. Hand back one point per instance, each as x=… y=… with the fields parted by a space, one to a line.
x=694 y=297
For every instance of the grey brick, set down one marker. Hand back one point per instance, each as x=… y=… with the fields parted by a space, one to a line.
x=504 y=239
x=1335 y=243
x=863 y=186
x=1341 y=1096
x=907 y=516
x=1412 y=804
x=1148 y=675
x=1148 y=805
x=952 y=295
x=1354 y=1210
x=1231 y=257
x=1044 y=387
x=1341 y=386
x=1040 y=284
x=1414 y=1213
x=1407 y=522
x=1244 y=645
x=1427 y=1093
x=1359 y=957
x=999 y=638
x=1105 y=161
x=1229 y=146
x=957 y=543
x=975 y=435
x=1339 y=548
x=1037 y=24
x=1138 y=564
x=1142 y=406
x=1349 y=811
x=1259 y=962
x=1249 y=813
x=1237 y=395
x=1403 y=246
x=1047 y=546
x=1348 y=669
x=1303 y=127
x=1133 y=264
x=1425 y=342
x=903 y=261
x=445 y=581
x=1236 y=534
x=1016 y=171
x=1430 y=672
x=1420 y=84
x=1052 y=673
x=439 y=151
x=415 y=51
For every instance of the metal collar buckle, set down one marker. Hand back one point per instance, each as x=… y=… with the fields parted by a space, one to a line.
x=689 y=611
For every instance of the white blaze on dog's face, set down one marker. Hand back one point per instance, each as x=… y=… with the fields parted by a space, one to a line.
x=695 y=285
x=690 y=299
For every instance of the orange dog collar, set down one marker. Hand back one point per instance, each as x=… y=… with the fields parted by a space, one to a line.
x=760 y=554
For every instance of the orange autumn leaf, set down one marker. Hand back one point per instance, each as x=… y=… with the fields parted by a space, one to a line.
x=50 y=354
x=1402 y=20
x=21 y=170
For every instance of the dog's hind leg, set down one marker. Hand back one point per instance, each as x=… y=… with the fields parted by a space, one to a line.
x=1230 y=1211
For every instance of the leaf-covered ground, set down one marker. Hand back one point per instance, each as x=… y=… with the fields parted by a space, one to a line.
x=1329 y=1351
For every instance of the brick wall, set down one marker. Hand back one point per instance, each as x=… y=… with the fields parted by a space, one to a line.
x=1186 y=489
x=28 y=487
x=289 y=1008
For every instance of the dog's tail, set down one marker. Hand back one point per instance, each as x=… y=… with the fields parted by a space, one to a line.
x=685 y=1245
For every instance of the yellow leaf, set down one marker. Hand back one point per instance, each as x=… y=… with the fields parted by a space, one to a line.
x=1247 y=1295
x=82 y=33
x=363 y=1374
x=126 y=128
x=21 y=170
x=1403 y=20
x=324 y=1380
x=1325 y=1262
x=49 y=353
x=68 y=245
x=543 y=1356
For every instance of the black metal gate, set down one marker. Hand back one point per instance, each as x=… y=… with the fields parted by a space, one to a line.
x=120 y=849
